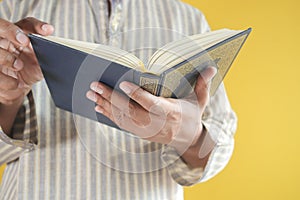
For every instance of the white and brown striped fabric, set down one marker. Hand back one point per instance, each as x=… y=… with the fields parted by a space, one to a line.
x=53 y=155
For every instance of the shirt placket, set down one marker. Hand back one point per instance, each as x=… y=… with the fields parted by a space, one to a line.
x=114 y=23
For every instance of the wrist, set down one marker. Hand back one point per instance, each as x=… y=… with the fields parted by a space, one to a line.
x=8 y=114
x=186 y=139
x=198 y=153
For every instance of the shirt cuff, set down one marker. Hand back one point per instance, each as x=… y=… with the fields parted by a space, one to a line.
x=218 y=159
x=23 y=136
x=178 y=169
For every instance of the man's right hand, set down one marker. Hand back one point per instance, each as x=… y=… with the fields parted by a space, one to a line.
x=19 y=68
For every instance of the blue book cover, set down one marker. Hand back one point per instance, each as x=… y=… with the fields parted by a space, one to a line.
x=69 y=71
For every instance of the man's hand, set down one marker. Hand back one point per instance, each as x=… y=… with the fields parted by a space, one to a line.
x=176 y=122
x=19 y=68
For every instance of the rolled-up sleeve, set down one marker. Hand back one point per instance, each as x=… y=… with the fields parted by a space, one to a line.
x=24 y=133
x=220 y=122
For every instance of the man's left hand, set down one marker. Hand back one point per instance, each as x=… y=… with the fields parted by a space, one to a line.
x=176 y=122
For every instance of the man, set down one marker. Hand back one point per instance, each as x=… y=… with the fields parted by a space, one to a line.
x=75 y=158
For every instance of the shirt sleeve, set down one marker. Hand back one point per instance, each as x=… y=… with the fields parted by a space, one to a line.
x=24 y=133
x=220 y=122
x=5 y=9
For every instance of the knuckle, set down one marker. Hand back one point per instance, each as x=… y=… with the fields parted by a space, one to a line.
x=9 y=58
x=175 y=114
x=2 y=55
x=119 y=119
x=157 y=107
x=7 y=97
x=131 y=109
x=4 y=43
x=167 y=135
x=11 y=28
x=137 y=94
x=98 y=100
x=6 y=58
x=157 y=102
x=9 y=84
x=7 y=28
x=7 y=102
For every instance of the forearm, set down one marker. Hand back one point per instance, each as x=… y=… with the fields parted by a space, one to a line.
x=8 y=114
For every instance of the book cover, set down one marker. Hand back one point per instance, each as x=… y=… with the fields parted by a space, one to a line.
x=68 y=73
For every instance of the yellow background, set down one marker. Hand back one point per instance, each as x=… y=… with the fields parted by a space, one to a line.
x=263 y=86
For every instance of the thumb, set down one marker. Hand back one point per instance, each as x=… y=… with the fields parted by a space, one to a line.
x=203 y=84
x=33 y=25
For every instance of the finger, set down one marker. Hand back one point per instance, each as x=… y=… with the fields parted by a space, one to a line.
x=129 y=116
x=122 y=119
x=148 y=101
x=109 y=110
x=93 y=96
x=9 y=89
x=108 y=99
x=13 y=33
x=5 y=101
x=9 y=60
x=202 y=84
x=8 y=83
x=11 y=95
x=116 y=98
x=9 y=72
x=33 y=25
x=7 y=45
x=144 y=124
x=208 y=74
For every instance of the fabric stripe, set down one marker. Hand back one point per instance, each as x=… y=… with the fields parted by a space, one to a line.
x=8 y=152
x=9 y=190
x=5 y=9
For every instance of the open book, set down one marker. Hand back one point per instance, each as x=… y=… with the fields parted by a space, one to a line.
x=69 y=66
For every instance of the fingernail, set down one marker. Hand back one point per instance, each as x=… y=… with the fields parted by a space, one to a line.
x=95 y=87
x=18 y=64
x=125 y=87
x=47 y=27
x=91 y=96
x=44 y=27
x=214 y=71
x=21 y=37
x=208 y=73
x=98 y=109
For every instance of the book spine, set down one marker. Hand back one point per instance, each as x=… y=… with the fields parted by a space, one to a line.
x=149 y=82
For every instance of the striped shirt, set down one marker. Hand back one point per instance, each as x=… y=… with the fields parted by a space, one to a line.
x=54 y=155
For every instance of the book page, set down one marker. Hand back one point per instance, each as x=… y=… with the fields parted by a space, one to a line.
x=176 y=52
x=107 y=52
